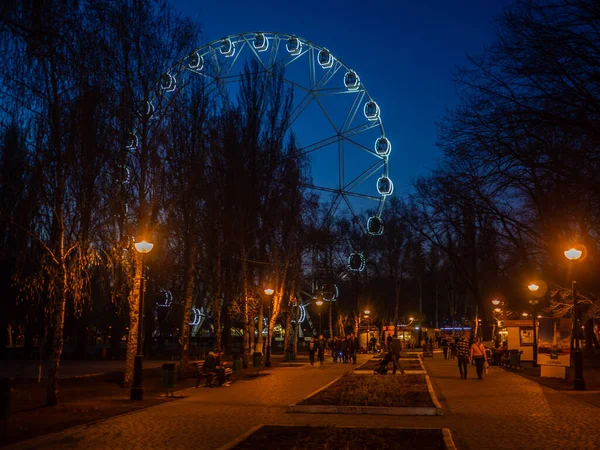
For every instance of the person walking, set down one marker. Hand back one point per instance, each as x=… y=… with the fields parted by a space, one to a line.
x=312 y=348
x=464 y=354
x=396 y=347
x=445 y=347
x=389 y=342
x=479 y=355
x=353 y=347
x=334 y=350
x=321 y=349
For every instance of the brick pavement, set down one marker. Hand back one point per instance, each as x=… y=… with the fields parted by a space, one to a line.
x=502 y=411
x=505 y=410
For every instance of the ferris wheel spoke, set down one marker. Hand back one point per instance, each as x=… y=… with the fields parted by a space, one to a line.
x=327 y=76
x=331 y=122
x=361 y=147
x=353 y=110
x=351 y=208
x=318 y=145
x=362 y=196
x=300 y=107
x=231 y=61
x=274 y=51
x=341 y=162
x=380 y=207
x=363 y=176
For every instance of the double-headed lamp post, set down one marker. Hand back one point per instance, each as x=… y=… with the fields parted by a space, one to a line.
x=269 y=293
x=533 y=288
x=319 y=303
x=367 y=312
x=137 y=387
x=578 y=383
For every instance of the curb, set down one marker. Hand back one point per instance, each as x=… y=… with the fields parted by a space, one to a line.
x=438 y=406
x=448 y=439
x=238 y=440
x=318 y=390
x=372 y=410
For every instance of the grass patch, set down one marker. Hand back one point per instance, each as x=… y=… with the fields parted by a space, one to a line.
x=363 y=390
x=305 y=438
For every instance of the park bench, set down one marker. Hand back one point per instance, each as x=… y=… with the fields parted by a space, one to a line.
x=200 y=373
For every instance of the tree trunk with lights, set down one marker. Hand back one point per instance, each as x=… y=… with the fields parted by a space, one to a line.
x=134 y=315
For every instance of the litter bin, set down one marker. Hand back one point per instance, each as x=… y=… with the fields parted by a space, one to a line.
x=4 y=398
x=168 y=378
x=514 y=358
x=256 y=359
x=237 y=363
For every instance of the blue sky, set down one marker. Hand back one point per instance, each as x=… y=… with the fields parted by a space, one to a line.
x=404 y=52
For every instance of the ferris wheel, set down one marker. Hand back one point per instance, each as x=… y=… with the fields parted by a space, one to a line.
x=336 y=124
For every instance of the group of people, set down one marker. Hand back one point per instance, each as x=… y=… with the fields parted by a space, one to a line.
x=469 y=353
x=214 y=368
x=342 y=349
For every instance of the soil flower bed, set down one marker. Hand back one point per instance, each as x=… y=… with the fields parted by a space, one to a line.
x=305 y=438
x=405 y=364
x=360 y=390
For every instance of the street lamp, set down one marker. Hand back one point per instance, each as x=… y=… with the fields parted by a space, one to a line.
x=319 y=303
x=367 y=312
x=137 y=387
x=578 y=383
x=269 y=292
x=533 y=288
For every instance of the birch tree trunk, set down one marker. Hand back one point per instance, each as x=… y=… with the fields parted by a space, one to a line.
x=134 y=315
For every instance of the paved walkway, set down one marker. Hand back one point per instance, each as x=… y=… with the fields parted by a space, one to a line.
x=502 y=411
x=505 y=410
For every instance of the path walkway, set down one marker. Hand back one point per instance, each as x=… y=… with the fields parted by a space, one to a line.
x=505 y=410
x=502 y=411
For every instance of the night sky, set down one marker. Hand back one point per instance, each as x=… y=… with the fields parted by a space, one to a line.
x=404 y=52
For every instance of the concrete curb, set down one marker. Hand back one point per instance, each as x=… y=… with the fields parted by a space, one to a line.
x=238 y=440
x=372 y=410
x=436 y=402
x=448 y=439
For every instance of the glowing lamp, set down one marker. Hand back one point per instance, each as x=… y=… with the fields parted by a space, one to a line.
x=533 y=287
x=319 y=302
x=143 y=247
x=269 y=291
x=367 y=312
x=525 y=314
x=496 y=302
x=497 y=310
x=411 y=318
x=573 y=254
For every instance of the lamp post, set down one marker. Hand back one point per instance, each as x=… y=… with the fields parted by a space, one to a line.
x=578 y=383
x=367 y=312
x=269 y=293
x=319 y=303
x=137 y=387
x=533 y=288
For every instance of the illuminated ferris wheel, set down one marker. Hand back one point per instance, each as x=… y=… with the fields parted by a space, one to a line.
x=336 y=124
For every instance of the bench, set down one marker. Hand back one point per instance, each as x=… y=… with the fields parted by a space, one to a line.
x=200 y=372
